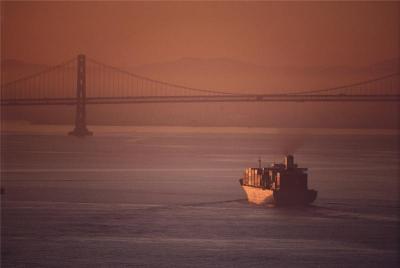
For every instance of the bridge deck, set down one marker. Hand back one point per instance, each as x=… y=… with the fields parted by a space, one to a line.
x=209 y=98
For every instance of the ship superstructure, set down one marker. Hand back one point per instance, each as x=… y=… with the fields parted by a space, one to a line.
x=283 y=183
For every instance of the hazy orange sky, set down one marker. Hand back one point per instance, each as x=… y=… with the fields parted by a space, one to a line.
x=266 y=33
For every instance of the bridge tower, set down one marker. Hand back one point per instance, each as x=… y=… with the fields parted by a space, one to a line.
x=80 y=129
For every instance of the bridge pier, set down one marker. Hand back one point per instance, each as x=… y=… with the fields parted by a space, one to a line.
x=80 y=129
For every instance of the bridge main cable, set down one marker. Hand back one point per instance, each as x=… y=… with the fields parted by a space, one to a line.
x=47 y=70
x=158 y=81
x=307 y=92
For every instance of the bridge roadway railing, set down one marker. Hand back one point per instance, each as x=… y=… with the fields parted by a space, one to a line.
x=206 y=98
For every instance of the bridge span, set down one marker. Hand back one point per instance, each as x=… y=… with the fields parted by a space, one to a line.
x=80 y=82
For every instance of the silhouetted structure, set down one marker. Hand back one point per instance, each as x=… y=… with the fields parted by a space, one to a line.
x=80 y=129
x=97 y=83
x=283 y=184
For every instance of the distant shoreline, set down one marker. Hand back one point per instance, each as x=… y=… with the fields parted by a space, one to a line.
x=108 y=129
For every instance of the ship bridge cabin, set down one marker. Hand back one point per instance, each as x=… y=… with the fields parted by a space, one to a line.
x=285 y=176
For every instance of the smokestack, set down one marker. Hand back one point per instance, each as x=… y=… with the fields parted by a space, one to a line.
x=289 y=161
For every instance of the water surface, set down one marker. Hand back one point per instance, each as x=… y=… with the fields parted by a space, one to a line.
x=170 y=197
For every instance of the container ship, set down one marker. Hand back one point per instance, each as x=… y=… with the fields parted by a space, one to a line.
x=281 y=184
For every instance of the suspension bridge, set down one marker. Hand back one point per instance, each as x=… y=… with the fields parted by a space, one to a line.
x=83 y=81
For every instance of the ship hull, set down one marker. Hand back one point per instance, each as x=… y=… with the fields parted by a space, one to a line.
x=294 y=198
x=258 y=196
x=261 y=196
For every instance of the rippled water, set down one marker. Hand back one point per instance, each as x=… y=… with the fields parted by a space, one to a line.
x=170 y=197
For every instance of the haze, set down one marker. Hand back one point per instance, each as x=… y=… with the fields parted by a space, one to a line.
x=268 y=33
x=259 y=47
x=135 y=154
